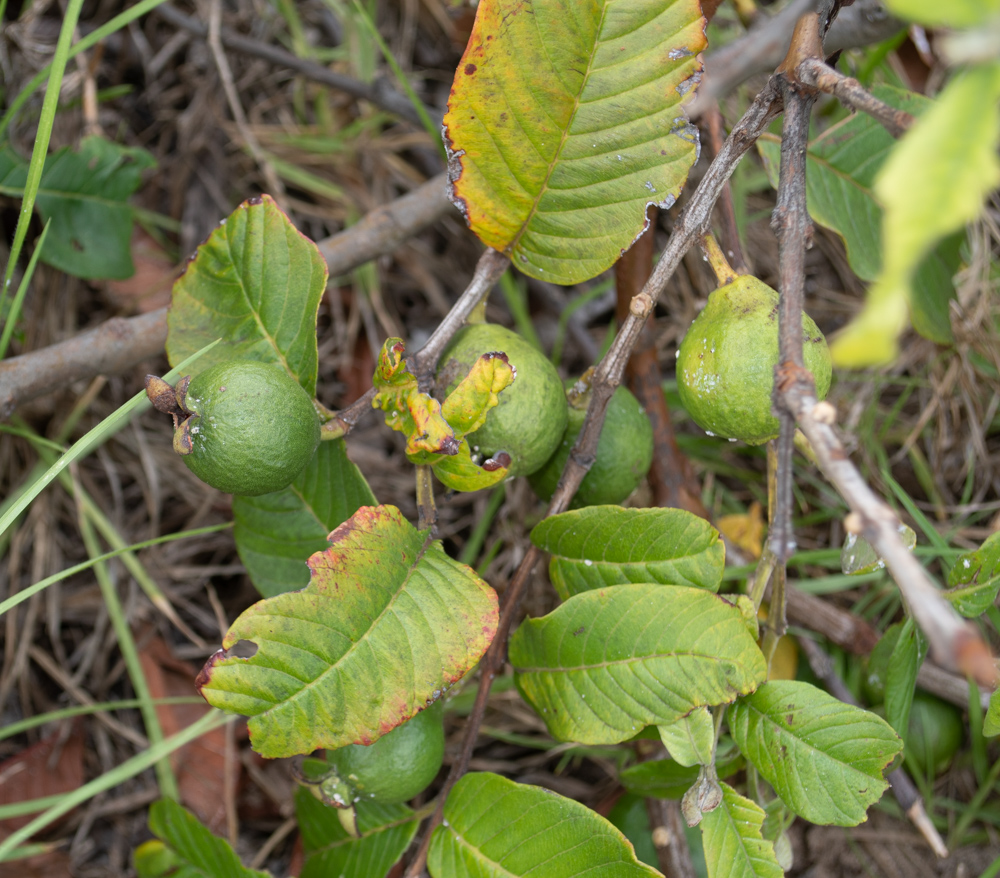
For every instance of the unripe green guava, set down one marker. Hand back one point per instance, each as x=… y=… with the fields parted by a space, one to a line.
x=398 y=765
x=624 y=453
x=252 y=429
x=725 y=364
x=934 y=735
x=530 y=417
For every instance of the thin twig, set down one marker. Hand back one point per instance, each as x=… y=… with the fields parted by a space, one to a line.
x=491 y=265
x=815 y=72
x=670 y=475
x=955 y=643
x=693 y=222
x=274 y=184
x=793 y=229
x=378 y=93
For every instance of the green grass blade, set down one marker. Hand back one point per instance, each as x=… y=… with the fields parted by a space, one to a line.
x=42 y=136
x=15 y=309
x=92 y=39
x=430 y=126
x=86 y=443
x=130 y=768
x=43 y=584
x=86 y=709
x=130 y=652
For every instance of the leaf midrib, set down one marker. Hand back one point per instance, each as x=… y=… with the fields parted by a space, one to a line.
x=554 y=161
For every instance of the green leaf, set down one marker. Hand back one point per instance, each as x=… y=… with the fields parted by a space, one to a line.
x=386 y=832
x=975 y=579
x=667 y=779
x=255 y=283
x=85 y=194
x=460 y=472
x=690 y=739
x=608 y=662
x=631 y=816
x=991 y=722
x=824 y=758
x=495 y=828
x=907 y=656
x=734 y=846
x=467 y=406
x=954 y=13
x=387 y=623
x=189 y=850
x=565 y=121
x=436 y=433
x=858 y=556
x=276 y=533
x=951 y=151
x=841 y=167
x=608 y=545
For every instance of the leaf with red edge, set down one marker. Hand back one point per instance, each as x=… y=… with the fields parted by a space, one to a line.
x=256 y=283
x=386 y=625
x=565 y=121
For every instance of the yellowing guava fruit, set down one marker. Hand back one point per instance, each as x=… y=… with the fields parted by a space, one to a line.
x=530 y=417
x=252 y=429
x=725 y=365
x=398 y=765
x=624 y=453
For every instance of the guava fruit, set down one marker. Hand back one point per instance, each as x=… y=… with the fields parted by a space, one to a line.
x=624 y=452
x=725 y=364
x=530 y=417
x=934 y=735
x=398 y=765
x=252 y=428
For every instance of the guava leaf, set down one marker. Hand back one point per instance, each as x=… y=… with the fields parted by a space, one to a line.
x=386 y=832
x=565 y=122
x=991 y=722
x=387 y=623
x=975 y=579
x=407 y=410
x=608 y=662
x=467 y=406
x=276 y=533
x=255 y=283
x=954 y=13
x=823 y=757
x=951 y=152
x=85 y=194
x=732 y=840
x=858 y=556
x=495 y=827
x=608 y=545
x=690 y=739
x=667 y=779
x=434 y=430
x=461 y=473
x=188 y=848
x=907 y=656
x=842 y=164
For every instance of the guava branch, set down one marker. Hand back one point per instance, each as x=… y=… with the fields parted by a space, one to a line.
x=693 y=223
x=816 y=73
x=955 y=643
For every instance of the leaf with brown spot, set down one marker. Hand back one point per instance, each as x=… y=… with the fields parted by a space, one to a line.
x=565 y=121
x=387 y=623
